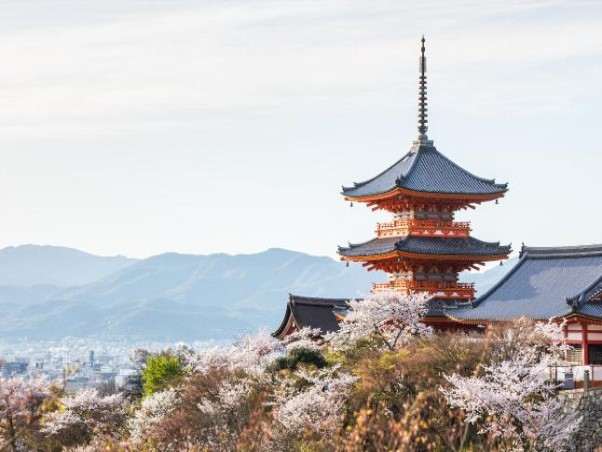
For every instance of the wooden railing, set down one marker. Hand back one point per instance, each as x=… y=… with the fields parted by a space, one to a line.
x=426 y=228
x=446 y=289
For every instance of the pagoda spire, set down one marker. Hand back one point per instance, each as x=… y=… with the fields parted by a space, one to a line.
x=422 y=104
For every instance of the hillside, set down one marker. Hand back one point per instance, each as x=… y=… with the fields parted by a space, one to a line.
x=31 y=265
x=169 y=296
x=174 y=296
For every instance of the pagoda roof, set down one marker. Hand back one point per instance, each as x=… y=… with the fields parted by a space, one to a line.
x=441 y=246
x=424 y=169
x=313 y=312
x=545 y=283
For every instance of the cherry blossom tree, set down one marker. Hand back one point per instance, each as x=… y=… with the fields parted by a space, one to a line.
x=226 y=411
x=152 y=410
x=316 y=405
x=512 y=399
x=251 y=353
x=307 y=338
x=389 y=316
x=85 y=414
x=20 y=403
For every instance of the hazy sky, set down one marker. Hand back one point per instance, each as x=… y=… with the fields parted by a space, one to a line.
x=139 y=127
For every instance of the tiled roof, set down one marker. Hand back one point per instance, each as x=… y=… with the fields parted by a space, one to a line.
x=312 y=312
x=317 y=312
x=425 y=169
x=438 y=307
x=545 y=283
x=593 y=291
x=468 y=246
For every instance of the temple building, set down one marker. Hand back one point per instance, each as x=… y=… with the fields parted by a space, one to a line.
x=549 y=283
x=423 y=249
x=310 y=312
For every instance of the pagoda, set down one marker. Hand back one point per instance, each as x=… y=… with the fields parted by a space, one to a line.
x=423 y=248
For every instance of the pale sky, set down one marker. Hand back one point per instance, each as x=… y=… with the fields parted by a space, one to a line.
x=140 y=127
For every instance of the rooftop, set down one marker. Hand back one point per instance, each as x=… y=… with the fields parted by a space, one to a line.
x=424 y=169
x=440 y=246
x=313 y=312
x=545 y=283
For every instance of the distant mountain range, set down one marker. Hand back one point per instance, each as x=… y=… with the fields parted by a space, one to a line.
x=52 y=292
x=31 y=265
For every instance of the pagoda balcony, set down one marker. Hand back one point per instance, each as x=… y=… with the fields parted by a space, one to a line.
x=423 y=228
x=441 y=289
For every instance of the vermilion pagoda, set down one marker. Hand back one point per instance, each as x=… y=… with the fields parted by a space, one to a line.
x=423 y=249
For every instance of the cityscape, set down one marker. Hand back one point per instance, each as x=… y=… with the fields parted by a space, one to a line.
x=80 y=363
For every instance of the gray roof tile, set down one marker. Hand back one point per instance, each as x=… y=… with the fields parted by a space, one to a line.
x=425 y=169
x=542 y=285
x=468 y=246
x=313 y=312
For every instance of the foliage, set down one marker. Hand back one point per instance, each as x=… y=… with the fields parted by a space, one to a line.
x=85 y=414
x=296 y=357
x=161 y=371
x=21 y=406
x=151 y=411
x=388 y=317
x=383 y=382
x=251 y=353
x=513 y=400
x=315 y=404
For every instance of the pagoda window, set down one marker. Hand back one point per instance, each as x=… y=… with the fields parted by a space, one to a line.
x=435 y=275
x=400 y=275
x=403 y=216
x=575 y=355
x=420 y=274
x=450 y=277
x=595 y=354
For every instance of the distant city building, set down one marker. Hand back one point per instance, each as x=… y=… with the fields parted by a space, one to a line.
x=14 y=368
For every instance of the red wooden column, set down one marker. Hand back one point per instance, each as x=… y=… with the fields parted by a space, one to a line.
x=584 y=343
x=565 y=335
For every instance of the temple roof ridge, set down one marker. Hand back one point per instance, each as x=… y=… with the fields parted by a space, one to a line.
x=561 y=251
x=427 y=245
x=316 y=301
x=432 y=148
x=425 y=169
x=588 y=293
x=313 y=312
x=438 y=174
x=547 y=282
x=411 y=153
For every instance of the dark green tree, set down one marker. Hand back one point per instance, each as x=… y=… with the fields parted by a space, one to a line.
x=161 y=371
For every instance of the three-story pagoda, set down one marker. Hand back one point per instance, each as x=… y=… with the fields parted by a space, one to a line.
x=423 y=248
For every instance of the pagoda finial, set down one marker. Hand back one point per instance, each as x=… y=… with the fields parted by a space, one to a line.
x=422 y=107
